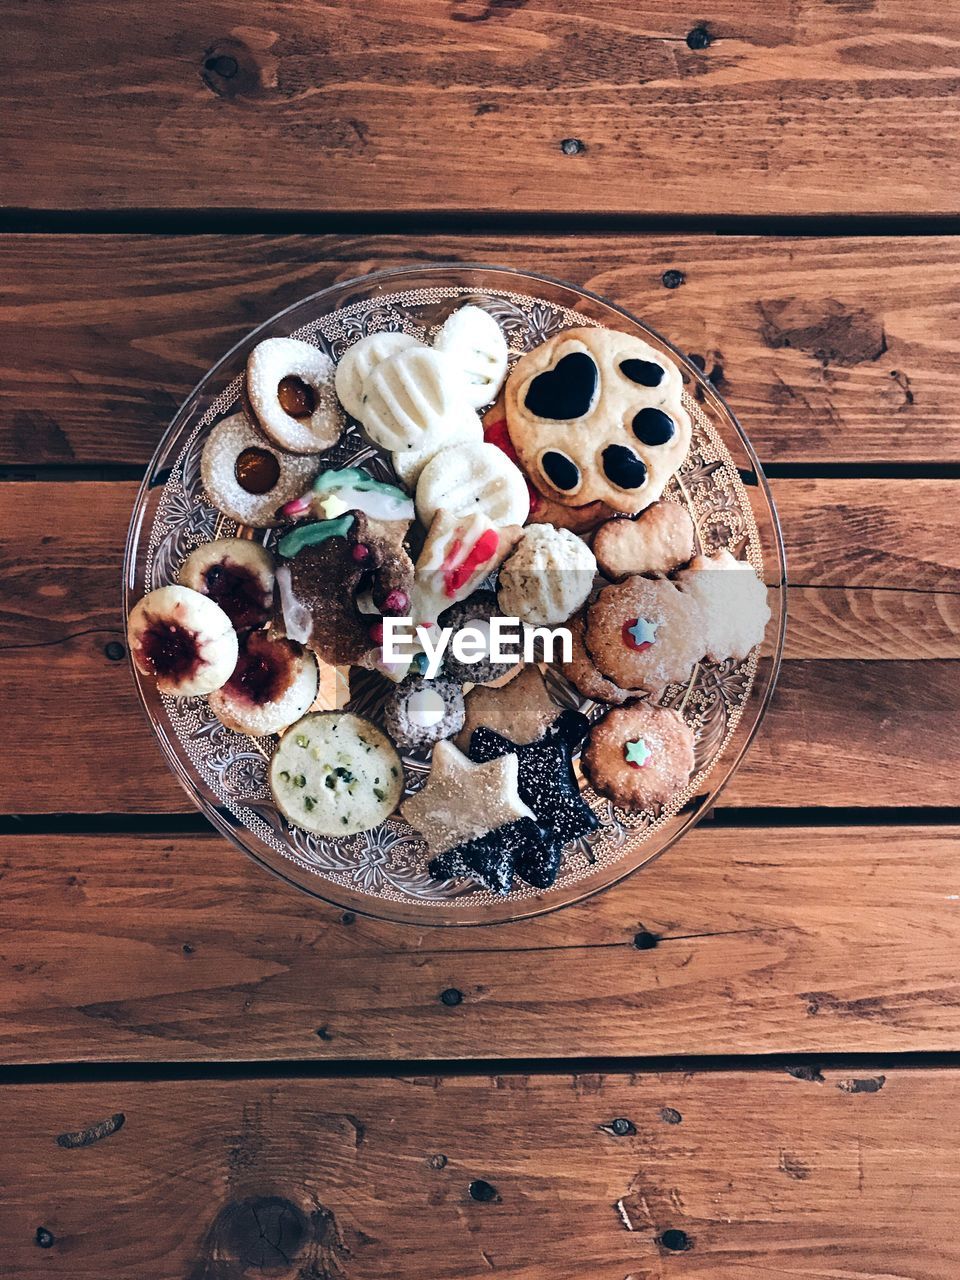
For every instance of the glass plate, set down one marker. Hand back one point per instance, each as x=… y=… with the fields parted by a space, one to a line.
x=383 y=872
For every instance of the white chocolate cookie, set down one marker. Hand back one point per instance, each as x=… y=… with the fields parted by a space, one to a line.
x=247 y=478
x=464 y=428
x=290 y=388
x=469 y=478
x=597 y=415
x=547 y=578
x=358 y=362
x=475 y=341
x=410 y=397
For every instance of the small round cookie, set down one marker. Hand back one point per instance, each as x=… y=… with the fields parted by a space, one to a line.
x=247 y=478
x=358 y=362
x=183 y=640
x=237 y=574
x=582 y=672
x=547 y=578
x=658 y=540
x=473 y=477
x=474 y=612
x=290 y=389
x=643 y=633
x=639 y=755
x=475 y=341
x=335 y=773
x=410 y=397
x=597 y=415
x=419 y=712
x=273 y=684
x=464 y=428
x=733 y=601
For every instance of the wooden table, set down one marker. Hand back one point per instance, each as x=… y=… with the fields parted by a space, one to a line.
x=742 y=1062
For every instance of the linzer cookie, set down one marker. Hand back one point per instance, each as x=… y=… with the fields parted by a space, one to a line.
x=639 y=755
x=290 y=390
x=247 y=478
x=597 y=415
x=643 y=633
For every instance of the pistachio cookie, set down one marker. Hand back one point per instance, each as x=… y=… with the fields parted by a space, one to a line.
x=598 y=415
x=639 y=755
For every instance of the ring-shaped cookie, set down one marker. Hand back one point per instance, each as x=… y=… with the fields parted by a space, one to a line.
x=291 y=393
x=247 y=478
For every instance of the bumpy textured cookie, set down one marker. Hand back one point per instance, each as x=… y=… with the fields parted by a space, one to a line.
x=521 y=710
x=472 y=477
x=358 y=362
x=639 y=755
x=643 y=633
x=582 y=671
x=546 y=780
x=247 y=478
x=274 y=683
x=410 y=397
x=462 y=800
x=290 y=390
x=238 y=575
x=547 y=578
x=597 y=415
x=475 y=612
x=420 y=712
x=336 y=774
x=658 y=540
x=733 y=601
x=474 y=340
x=520 y=848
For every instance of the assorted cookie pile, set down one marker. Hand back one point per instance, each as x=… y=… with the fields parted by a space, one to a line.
x=549 y=509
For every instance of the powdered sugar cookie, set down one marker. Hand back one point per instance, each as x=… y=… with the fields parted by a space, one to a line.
x=358 y=362
x=733 y=601
x=469 y=478
x=235 y=573
x=273 y=684
x=547 y=578
x=643 y=633
x=639 y=755
x=658 y=540
x=247 y=478
x=598 y=415
x=290 y=390
x=474 y=340
x=183 y=640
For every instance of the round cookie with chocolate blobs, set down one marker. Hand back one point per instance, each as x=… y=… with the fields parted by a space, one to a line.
x=290 y=390
x=247 y=478
x=476 y=611
x=658 y=540
x=639 y=755
x=420 y=712
x=597 y=415
x=644 y=634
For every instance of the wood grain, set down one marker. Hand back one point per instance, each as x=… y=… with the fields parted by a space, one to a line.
x=830 y=350
x=466 y=105
x=765 y=940
x=464 y=1177
x=838 y=732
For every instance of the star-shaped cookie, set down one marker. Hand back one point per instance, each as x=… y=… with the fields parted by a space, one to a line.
x=462 y=800
x=521 y=710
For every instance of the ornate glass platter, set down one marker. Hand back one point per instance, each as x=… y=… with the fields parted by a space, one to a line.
x=383 y=872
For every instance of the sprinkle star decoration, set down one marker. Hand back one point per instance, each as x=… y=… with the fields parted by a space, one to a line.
x=637 y=753
x=639 y=633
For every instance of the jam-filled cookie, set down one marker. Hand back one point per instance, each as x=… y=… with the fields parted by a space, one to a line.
x=733 y=601
x=335 y=773
x=658 y=540
x=582 y=671
x=290 y=390
x=643 y=633
x=273 y=684
x=183 y=639
x=247 y=478
x=639 y=755
x=597 y=415
x=235 y=573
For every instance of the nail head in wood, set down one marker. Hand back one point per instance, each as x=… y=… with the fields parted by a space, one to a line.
x=675 y=1240
x=115 y=651
x=482 y=1191
x=451 y=996
x=44 y=1238
x=573 y=146
x=699 y=38
x=672 y=279
x=644 y=940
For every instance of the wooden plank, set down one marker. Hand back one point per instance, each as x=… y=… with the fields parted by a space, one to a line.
x=830 y=350
x=132 y=947
x=744 y=1174
x=60 y=548
x=845 y=108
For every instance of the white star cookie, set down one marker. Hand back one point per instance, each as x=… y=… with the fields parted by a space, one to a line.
x=463 y=800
